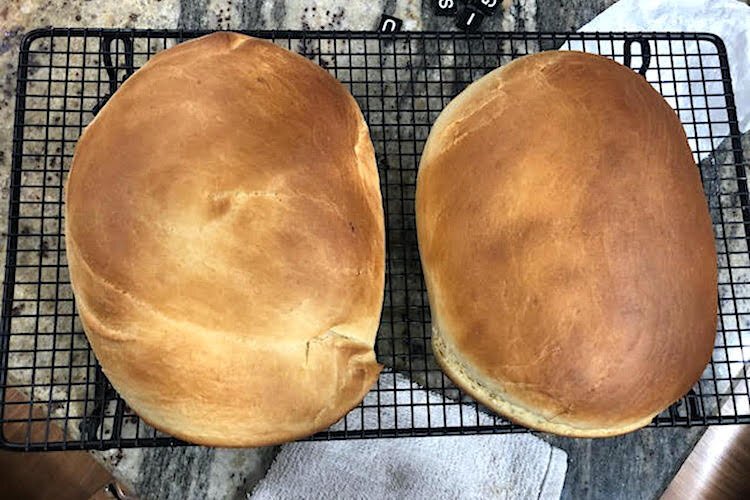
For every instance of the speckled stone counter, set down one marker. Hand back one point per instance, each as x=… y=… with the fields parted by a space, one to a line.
x=634 y=466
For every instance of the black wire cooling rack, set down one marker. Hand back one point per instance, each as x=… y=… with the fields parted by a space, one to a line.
x=54 y=395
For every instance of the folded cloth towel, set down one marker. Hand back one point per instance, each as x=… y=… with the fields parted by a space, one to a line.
x=478 y=466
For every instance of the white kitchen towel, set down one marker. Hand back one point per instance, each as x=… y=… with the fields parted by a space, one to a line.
x=478 y=466
x=729 y=19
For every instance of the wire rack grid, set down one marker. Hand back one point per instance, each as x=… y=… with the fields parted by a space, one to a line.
x=53 y=394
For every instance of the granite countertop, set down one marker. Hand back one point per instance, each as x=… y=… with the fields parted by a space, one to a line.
x=638 y=465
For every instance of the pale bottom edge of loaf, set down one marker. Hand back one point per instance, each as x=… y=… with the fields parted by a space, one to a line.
x=492 y=397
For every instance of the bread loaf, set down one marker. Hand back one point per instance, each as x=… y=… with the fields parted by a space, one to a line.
x=567 y=247
x=224 y=232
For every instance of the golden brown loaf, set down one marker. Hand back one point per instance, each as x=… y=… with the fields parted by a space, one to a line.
x=225 y=238
x=567 y=246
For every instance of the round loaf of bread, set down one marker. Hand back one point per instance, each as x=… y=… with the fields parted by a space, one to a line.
x=567 y=247
x=224 y=233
